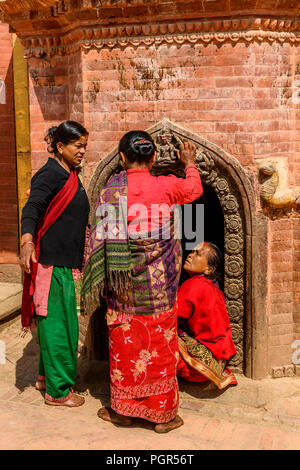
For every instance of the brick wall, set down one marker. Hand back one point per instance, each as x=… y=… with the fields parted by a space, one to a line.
x=233 y=95
x=281 y=285
x=48 y=96
x=55 y=96
x=236 y=96
x=8 y=185
x=296 y=276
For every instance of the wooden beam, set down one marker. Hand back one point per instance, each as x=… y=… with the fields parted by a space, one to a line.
x=22 y=123
x=16 y=6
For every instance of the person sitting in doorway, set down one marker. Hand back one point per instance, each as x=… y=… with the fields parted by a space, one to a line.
x=204 y=332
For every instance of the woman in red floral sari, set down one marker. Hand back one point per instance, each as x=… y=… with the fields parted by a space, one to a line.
x=137 y=269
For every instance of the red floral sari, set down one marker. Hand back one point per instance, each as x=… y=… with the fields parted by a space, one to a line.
x=143 y=361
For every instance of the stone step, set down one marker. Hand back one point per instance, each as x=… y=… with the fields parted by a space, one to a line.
x=10 y=273
x=10 y=301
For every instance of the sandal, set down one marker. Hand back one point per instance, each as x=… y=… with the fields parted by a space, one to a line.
x=71 y=400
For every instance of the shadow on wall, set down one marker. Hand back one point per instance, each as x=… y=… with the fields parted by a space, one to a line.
x=8 y=178
x=57 y=86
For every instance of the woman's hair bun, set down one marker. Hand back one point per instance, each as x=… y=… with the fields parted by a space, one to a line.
x=143 y=147
x=49 y=138
x=137 y=146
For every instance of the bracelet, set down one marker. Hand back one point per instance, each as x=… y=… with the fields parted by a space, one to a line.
x=25 y=243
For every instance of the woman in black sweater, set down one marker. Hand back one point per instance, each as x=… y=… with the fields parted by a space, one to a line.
x=53 y=229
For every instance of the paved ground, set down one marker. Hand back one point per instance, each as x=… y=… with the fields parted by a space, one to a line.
x=254 y=415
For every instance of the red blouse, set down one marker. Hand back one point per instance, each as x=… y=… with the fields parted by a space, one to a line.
x=203 y=305
x=145 y=191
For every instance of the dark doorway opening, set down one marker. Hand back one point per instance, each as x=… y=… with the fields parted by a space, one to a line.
x=213 y=225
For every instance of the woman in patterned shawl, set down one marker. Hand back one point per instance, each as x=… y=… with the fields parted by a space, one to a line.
x=135 y=261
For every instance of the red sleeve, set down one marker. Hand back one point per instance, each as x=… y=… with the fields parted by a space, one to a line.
x=185 y=302
x=209 y=321
x=185 y=190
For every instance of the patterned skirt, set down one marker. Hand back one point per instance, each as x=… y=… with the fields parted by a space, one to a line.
x=198 y=364
x=143 y=351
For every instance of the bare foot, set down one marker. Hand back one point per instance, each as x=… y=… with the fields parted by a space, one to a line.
x=167 y=427
x=107 y=414
x=73 y=401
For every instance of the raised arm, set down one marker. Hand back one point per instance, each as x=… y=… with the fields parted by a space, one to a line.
x=188 y=189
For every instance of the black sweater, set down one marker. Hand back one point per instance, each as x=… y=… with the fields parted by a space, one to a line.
x=63 y=243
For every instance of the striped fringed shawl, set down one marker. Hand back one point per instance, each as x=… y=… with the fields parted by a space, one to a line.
x=136 y=276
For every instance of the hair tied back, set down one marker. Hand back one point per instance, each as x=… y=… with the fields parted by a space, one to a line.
x=143 y=147
x=142 y=141
x=50 y=135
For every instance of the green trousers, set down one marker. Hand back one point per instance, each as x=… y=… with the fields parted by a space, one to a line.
x=58 y=335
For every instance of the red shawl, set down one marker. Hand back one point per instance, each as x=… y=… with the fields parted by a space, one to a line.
x=202 y=305
x=57 y=206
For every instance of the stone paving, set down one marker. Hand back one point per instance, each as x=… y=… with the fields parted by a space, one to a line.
x=254 y=415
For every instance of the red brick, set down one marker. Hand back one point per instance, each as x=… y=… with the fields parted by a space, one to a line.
x=8 y=192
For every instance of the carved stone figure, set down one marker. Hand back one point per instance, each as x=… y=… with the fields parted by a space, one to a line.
x=269 y=192
x=167 y=148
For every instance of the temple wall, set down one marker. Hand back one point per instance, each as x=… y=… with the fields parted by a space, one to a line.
x=55 y=96
x=49 y=95
x=8 y=180
x=296 y=277
x=238 y=96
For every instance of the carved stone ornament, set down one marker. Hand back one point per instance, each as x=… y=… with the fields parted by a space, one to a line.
x=212 y=167
x=60 y=27
x=235 y=310
x=88 y=39
x=167 y=148
x=271 y=195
